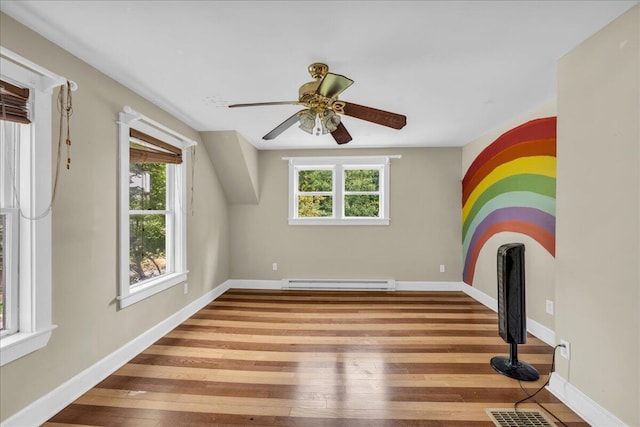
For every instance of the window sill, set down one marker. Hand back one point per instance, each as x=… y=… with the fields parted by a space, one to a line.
x=20 y=344
x=151 y=287
x=334 y=221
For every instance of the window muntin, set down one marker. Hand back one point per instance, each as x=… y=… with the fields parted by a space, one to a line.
x=338 y=190
x=153 y=208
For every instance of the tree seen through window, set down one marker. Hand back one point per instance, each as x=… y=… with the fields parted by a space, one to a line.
x=147 y=221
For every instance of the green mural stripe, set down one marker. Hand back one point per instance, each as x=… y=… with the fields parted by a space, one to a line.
x=540 y=184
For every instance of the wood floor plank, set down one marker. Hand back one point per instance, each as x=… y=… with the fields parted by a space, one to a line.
x=412 y=307
x=291 y=356
x=371 y=326
x=351 y=314
x=318 y=392
x=319 y=358
x=329 y=340
x=357 y=379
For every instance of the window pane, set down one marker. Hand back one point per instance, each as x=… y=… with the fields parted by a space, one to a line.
x=315 y=180
x=10 y=134
x=3 y=289
x=147 y=186
x=367 y=205
x=147 y=247
x=315 y=206
x=361 y=179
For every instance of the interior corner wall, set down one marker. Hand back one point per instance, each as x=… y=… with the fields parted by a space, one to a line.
x=236 y=163
x=250 y=155
x=84 y=232
x=598 y=212
x=539 y=263
x=424 y=230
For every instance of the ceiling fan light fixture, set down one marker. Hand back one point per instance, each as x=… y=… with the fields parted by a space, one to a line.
x=307 y=121
x=330 y=121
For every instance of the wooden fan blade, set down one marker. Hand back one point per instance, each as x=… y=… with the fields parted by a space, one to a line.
x=283 y=126
x=260 y=104
x=341 y=135
x=333 y=85
x=380 y=117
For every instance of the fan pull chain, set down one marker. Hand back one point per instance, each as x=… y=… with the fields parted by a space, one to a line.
x=65 y=106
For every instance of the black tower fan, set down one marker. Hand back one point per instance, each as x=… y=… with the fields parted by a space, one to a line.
x=512 y=318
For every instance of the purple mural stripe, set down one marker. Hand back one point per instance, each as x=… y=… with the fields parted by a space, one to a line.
x=528 y=215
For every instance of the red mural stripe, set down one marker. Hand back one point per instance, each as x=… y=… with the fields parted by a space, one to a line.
x=538 y=147
x=535 y=129
x=539 y=234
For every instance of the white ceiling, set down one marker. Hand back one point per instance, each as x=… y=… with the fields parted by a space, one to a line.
x=456 y=69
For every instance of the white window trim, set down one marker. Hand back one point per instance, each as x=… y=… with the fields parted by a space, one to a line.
x=176 y=228
x=35 y=301
x=339 y=165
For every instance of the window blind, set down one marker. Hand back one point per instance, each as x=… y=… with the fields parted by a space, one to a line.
x=144 y=148
x=14 y=103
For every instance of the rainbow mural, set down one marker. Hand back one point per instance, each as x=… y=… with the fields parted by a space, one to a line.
x=511 y=186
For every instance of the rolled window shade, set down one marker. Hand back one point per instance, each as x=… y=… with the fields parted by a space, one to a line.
x=144 y=148
x=14 y=103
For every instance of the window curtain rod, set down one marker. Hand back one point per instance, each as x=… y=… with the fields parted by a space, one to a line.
x=132 y=115
x=55 y=80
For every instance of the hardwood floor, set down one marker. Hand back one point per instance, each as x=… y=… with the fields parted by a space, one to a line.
x=320 y=358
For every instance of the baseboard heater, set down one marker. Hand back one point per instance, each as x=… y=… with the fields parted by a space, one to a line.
x=337 y=284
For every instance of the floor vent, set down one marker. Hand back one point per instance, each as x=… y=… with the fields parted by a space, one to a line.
x=519 y=418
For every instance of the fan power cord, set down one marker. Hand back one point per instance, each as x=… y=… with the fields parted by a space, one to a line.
x=532 y=396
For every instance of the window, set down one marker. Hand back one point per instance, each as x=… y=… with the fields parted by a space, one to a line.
x=152 y=208
x=339 y=190
x=25 y=197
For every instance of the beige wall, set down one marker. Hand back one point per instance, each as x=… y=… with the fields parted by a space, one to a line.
x=598 y=218
x=539 y=264
x=424 y=231
x=85 y=233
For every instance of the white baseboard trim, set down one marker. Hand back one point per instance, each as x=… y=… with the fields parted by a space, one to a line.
x=53 y=402
x=253 y=284
x=582 y=404
x=540 y=331
x=428 y=286
x=536 y=329
x=480 y=296
x=399 y=285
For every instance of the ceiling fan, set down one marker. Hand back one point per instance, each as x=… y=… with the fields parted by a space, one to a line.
x=322 y=107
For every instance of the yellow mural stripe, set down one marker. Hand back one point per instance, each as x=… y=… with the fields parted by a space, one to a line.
x=535 y=165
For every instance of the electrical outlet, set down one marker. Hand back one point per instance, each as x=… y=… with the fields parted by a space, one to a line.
x=442 y=268
x=186 y=288
x=550 y=307
x=274 y=266
x=566 y=350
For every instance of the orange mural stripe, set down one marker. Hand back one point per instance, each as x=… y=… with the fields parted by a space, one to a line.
x=539 y=147
x=539 y=234
x=532 y=130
